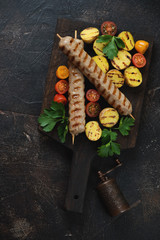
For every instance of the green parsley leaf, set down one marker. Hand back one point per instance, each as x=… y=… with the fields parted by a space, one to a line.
x=108 y=147
x=104 y=38
x=108 y=134
x=119 y=42
x=125 y=125
x=111 y=49
x=58 y=107
x=50 y=125
x=103 y=151
x=113 y=43
x=53 y=115
x=63 y=130
x=115 y=148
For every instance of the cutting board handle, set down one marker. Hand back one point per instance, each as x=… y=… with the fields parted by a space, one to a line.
x=78 y=180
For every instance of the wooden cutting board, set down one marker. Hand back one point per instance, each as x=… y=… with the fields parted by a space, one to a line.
x=83 y=149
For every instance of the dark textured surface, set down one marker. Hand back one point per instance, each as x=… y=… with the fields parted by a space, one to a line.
x=34 y=170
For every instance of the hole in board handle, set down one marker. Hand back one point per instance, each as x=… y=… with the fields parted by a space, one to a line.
x=76 y=196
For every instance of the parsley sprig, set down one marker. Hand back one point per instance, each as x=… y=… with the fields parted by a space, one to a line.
x=53 y=115
x=113 y=43
x=125 y=125
x=109 y=147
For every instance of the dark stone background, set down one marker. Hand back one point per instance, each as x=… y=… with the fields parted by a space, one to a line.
x=34 y=169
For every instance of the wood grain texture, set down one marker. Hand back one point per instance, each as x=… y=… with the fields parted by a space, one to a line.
x=83 y=150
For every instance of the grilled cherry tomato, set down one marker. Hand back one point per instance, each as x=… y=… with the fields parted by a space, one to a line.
x=62 y=86
x=92 y=95
x=141 y=46
x=93 y=109
x=109 y=28
x=60 y=98
x=139 y=60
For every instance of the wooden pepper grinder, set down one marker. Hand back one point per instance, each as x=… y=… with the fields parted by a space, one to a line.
x=110 y=193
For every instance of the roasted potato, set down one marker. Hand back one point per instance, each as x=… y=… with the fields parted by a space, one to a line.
x=88 y=35
x=128 y=40
x=102 y=63
x=93 y=130
x=133 y=76
x=116 y=77
x=122 y=60
x=108 y=117
x=98 y=48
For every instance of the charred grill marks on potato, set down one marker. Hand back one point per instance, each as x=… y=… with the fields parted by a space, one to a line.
x=131 y=43
x=125 y=43
x=125 y=64
x=127 y=35
x=115 y=64
x=128 y=57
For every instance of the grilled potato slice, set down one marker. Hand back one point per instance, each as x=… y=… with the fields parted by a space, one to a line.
x=102 y=63
x=93 y=130
x=108 y=117
x=116 y=77
x=122 y=60
x=128 y=40
x=88 y=35
x=98 y=48
x=133 y=76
